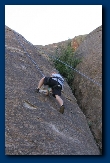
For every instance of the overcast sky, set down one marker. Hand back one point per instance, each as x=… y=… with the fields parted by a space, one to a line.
x=47 y=24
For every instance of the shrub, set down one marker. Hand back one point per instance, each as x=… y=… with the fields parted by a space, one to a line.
x=66 y=54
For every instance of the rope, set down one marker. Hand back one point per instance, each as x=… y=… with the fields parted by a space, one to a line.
x=28 y=54
x=92 y=80
x=78 y=72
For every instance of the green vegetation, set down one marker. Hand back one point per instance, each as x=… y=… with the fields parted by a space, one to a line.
x=66 y=54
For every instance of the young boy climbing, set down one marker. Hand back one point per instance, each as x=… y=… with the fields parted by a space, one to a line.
x=56 y=83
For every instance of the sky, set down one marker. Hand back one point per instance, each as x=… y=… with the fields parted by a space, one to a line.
x=48 y=24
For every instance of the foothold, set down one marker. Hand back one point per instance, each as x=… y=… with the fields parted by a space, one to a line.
x=29 y=105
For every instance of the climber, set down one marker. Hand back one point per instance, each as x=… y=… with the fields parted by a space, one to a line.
x=56 y=83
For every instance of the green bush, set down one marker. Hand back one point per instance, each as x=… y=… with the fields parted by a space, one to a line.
x=66 y=54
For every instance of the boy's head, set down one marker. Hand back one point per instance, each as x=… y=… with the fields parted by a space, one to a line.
x=54 y=72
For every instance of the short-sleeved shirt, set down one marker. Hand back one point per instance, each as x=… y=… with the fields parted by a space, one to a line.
x=59 y=78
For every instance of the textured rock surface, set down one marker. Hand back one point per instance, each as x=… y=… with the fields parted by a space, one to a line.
x=76 y=41
x=33 y=123
x=88 y=94
x=51 y=48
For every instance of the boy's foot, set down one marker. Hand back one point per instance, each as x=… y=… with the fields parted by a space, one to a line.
x=37 y=90
x=62 y=109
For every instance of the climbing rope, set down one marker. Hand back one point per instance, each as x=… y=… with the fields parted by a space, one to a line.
x=28 y=54
x=92 y=80
x=78 y=72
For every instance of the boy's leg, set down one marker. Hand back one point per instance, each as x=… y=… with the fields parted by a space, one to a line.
x=60 y=101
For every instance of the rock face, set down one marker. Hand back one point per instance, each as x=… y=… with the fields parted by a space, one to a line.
x=51 y=48
x=77 y=41
x=33 y=123
x=89 y=94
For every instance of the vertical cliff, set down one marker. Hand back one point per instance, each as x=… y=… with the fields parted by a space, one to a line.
x=89 y=94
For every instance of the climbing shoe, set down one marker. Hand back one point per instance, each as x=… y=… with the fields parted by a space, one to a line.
x=37 y=90
x=62 y=109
